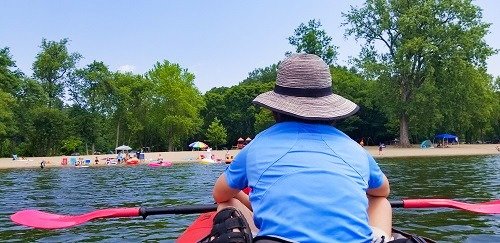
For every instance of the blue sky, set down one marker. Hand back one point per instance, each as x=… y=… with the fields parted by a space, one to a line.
x=219 y=41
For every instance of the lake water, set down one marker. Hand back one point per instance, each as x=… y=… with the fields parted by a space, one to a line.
x=80 y=190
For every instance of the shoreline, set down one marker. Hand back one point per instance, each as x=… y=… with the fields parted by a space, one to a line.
x=191 y=156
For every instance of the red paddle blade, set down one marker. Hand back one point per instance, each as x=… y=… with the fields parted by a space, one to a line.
x=43 y=220
x=492 y=207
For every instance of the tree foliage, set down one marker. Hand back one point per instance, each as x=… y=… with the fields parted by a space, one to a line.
x=312 y=39
x=177 y=103
x=53 y=66
x=10 y=82
x=409 y=45
x=421 y=71
x=216 y=133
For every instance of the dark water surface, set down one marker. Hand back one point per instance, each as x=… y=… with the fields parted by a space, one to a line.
x=80 y=190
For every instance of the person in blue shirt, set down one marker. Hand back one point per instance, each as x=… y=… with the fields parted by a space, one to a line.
x=309 y=181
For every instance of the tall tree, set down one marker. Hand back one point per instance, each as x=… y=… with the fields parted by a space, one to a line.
x=52 y=67
x=130 y=96
x=408 y=43
x=10 y=78
x=176 y=103
x=90 y=91
x=312 y=39
x=10 y=81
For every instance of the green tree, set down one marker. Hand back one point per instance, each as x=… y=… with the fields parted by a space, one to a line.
x=90 y=91
x=369 y=123
x=312 y=39
x=53 y=66
x=496 y=111
x=176 y=103
x=216 y=133
x=131 y=96
x=10 y=82
x=71 y=145
x=7 y=122
x=263 y=120
x=409 y=43
x=263 y=75
x=47 y=131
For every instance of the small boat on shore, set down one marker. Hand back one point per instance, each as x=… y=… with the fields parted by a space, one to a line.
x=132 y=161
x=202 y=226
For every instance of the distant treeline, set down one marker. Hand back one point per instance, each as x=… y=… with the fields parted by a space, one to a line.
x=422 y=71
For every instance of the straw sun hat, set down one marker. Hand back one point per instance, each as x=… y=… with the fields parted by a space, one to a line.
x=304 y=89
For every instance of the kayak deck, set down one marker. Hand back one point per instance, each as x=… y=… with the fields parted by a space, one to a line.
x=202 y=226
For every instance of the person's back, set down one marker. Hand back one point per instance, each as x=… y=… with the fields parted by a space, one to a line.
x=310 y=182
x=318 y=175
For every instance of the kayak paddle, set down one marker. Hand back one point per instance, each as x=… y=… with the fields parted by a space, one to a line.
x=492 y=207
x=43 y=220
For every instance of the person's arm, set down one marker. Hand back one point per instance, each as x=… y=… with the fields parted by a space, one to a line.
x=222 y=192
x=245 y=199
x=381 y=191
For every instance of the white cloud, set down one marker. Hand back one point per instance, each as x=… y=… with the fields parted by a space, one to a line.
x=126 y=68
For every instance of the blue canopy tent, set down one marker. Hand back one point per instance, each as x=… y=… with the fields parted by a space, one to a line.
x=448 y=138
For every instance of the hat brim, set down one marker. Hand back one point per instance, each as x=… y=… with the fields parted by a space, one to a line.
x=330 y=107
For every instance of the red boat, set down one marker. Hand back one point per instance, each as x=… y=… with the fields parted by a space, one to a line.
x=202 y=226
x=133 y=161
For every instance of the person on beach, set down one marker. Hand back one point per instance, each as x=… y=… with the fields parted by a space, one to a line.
x=380 y=148
x=119 y=157
x=309 y=181
x=96 y=161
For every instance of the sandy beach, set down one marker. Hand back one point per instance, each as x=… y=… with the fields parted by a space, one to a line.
x=191 y=156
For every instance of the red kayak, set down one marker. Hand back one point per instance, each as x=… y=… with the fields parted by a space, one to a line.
x=202 y=226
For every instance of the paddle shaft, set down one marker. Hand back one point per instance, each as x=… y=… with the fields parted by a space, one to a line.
x=492 y=207
x=204 y=208
x=187 y=209
x=397 y=204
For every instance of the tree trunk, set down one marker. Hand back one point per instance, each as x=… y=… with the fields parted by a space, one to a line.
x=170 y=146
x=117 y=134
x=404 y=140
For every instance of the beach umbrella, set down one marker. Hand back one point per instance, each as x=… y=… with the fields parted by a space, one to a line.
x=123 y=147
x=198 y=144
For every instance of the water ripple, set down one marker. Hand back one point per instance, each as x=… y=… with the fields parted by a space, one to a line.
x=77 y=191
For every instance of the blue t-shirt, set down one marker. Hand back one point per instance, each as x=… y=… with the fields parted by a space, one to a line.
x=308 y=183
